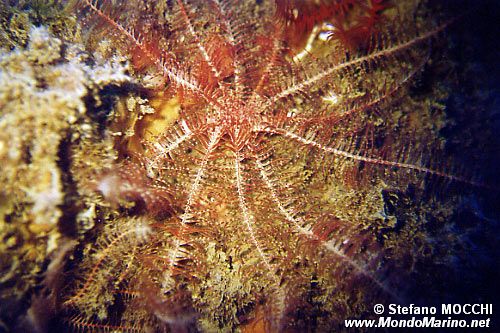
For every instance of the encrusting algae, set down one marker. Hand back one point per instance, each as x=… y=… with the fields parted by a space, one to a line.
x=168 y=167
x=42 y=111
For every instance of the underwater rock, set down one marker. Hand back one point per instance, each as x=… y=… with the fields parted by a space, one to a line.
x=42 y=108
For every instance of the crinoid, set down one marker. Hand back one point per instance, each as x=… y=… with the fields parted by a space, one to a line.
x=275 y=195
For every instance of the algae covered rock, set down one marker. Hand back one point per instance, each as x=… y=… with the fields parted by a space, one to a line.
x=42 y=110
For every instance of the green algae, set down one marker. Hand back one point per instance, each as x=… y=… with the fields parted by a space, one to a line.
x=45 y=81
